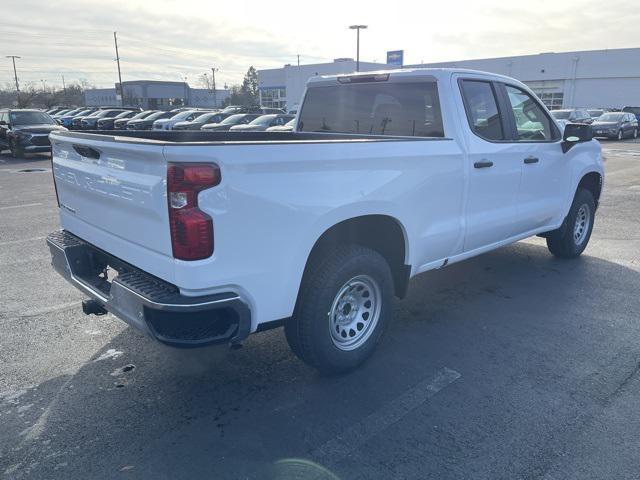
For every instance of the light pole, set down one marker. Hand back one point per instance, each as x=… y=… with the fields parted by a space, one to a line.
x=15 y=74
x=357 y=28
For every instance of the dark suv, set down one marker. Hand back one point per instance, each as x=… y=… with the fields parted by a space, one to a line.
x=26 y=131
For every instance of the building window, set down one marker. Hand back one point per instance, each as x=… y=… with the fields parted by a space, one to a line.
x=273 y=97
x=552 y=100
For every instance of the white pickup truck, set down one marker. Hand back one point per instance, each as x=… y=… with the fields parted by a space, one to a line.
x=198 y=238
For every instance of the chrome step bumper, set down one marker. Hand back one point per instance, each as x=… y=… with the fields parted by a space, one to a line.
x=148 y=303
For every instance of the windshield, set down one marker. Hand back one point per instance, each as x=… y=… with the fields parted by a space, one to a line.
x=634 y=110
x=70 y=112
x=233 y=119
x=142 y=114
x=263 y=120
x=183 y=115
x=124 y=115
x=210 y=118
x=561 y=114
x=377 y=108
x=595 y=113
x=610 y=117
x=157 y=115
x=83 y=112
x=31 y=118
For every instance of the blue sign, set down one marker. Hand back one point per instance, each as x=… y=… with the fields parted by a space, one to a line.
x=395 y=57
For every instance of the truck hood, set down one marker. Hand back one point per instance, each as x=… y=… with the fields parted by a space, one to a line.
x=44 y=128
x=216 y=126
x=605 y=124
x=249 y=128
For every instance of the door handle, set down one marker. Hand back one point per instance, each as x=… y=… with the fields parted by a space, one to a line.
x=483 y=164
x=531 y=160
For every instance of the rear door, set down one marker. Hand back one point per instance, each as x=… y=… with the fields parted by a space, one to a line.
x=494 y=172
x=546 y=171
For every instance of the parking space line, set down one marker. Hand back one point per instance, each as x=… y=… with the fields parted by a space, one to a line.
x=346 y=442
x=20 y=206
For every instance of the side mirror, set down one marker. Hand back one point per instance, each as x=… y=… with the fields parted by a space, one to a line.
x=3 y=123
x=575 y=133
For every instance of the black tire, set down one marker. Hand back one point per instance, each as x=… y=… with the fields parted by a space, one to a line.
x=309 y=331
x=563 y=242
x=16 y=150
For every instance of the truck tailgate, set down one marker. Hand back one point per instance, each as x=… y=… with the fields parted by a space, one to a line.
x=113 y=194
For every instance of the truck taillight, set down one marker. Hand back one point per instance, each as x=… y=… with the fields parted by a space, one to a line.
x=191 y=228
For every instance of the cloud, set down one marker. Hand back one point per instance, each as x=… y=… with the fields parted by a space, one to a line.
x=168 y=40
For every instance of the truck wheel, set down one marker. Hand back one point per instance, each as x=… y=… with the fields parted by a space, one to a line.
x=16 y=150
x=570 y=240
x=344 y=304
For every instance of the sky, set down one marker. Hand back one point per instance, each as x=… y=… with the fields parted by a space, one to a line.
x=178 y=40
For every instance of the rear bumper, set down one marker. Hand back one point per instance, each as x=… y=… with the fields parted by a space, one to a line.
x=147 y=303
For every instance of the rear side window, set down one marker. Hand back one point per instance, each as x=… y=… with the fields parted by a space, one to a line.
x=482 y=109
x=532 y=123
x=380 y=108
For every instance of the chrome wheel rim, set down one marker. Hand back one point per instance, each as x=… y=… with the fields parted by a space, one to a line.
x=620 y=135
x=355 y=312
x=581 y=227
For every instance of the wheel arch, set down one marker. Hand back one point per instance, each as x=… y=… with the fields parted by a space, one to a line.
x=380 y=232
x=592 y=181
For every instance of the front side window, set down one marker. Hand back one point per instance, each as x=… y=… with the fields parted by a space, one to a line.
x=379 y=108
x=532 y=123
x=482 y=109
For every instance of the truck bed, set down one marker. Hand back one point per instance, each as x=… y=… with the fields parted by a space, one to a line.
x=197 y=136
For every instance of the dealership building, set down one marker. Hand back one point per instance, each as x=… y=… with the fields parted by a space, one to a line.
x=594 y=78
x=153 y=94
x=283 y=87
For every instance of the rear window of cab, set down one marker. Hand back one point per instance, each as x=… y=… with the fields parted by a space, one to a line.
x=377 y=108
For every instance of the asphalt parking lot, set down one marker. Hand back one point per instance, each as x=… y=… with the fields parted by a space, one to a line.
x=512 y=365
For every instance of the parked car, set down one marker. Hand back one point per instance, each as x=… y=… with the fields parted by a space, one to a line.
x=26 y=131
x=69 y=111
x=287 y=127
x=76 y=122
x=198 y=122
x=214 y=240
x=121 y=123
x=91 y=122
x=596 y=112
x=61 y=112
x=56 y=109
x=617 y=125
x=263 y=122
x=251 y=109
x=107 y=122
x=66 y=119
x=184 y=116
x=634 y=110
x=146 y=123
x=571 y=115
x=230 y=121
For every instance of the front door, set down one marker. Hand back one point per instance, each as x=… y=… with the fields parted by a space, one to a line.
x=546 y=171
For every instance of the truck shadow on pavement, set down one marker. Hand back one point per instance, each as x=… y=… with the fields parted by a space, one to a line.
x=528 y=333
